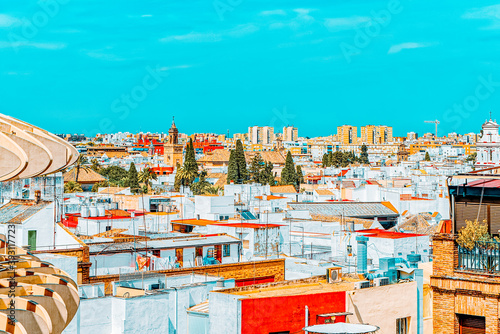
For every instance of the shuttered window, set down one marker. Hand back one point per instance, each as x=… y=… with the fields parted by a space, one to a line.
x=468 y=211
x=403 y=326
x=470 y=324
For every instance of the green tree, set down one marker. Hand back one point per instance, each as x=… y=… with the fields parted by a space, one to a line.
x=288 y=174
x=186 y=174
x=132 y=179
x=427 y=156
x=80 y=165
x=96 y=166
x=232 y=168
x=337 y=159
x=474 y=232
x=237 y=168
x=472 y=157
x=325 y=162
x=330 y=159
x=102 y=184
x=256 y=167
x=190 y=157
x=72 y=187
x=363 y=157
x=114 y=174
x=267 y=175
x=146 y=176
x=300 y=175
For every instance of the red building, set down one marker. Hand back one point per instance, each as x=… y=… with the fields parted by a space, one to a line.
x=145 y=143
x=163 y=170
x=289 y=306
x=204 y=147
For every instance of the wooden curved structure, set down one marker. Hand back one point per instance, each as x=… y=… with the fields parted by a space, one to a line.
x=35 y=297
x=28 y=151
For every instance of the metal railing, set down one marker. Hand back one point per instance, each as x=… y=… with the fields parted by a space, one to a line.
x=484 y=257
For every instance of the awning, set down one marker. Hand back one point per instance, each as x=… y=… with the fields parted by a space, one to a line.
x=341 y=328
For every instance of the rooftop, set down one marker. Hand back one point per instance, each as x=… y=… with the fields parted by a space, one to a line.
x=376 y=233
x=194 y=222
x=17 y=211
x=85 y=175
x=116 y=247
x=348 y=209
x=313 y=285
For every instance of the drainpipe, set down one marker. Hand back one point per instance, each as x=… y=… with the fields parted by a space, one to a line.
x=176 y=330
x=307 y=318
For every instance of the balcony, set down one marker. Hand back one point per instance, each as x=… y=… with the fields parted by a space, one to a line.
x=484 y=258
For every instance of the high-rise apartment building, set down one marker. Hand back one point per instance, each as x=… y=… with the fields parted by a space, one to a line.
x=290 y=133
x=411 y=136
x=347 y=134
x=376 y=134
x=261 y=134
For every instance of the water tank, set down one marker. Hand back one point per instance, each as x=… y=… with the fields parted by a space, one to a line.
x=93 y=211
x=84 y=212
x=101 y=212
x=362 y=254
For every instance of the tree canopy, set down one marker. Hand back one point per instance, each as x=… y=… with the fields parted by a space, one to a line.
x=237 y=168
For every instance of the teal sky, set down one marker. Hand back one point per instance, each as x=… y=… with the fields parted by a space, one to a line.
x=107 y=66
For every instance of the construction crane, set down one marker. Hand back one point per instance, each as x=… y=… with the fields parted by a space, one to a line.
x=435 y=122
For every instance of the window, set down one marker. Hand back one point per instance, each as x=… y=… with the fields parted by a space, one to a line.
x=403 y=325
x=469 y=324
x=227 y=250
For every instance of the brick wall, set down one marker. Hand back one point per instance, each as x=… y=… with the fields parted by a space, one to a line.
x=460 y=292
x=445 y=255
x=245 y=270
x=443 y=312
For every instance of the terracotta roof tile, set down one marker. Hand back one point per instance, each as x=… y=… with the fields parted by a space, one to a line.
x=86 y=175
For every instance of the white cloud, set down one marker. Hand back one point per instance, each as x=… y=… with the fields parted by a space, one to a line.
x=7 y=21
x=273 y=12
x=491 y=13
x=168 y=68
x=17 y=73
x=147 y=15
x=300 y=20
x=28 y=44
x=104 y=56
x=194 y=37
x=488 y=12
x=410 y=45
x=341 y=23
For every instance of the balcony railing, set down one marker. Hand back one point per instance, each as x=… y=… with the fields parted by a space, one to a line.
x=484 y=257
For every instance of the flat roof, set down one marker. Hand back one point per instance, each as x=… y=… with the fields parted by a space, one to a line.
x=198 y=241
x=194 y=222
x=249 y=225
x=376 y=233
x=290 y=289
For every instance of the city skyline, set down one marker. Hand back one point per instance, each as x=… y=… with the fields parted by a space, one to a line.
x=317 y=66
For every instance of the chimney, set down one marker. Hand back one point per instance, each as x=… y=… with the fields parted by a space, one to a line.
x=38 y=195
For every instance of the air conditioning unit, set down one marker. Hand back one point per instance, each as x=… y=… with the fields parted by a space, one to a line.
x=361 y=285
x=334 y=274
x=381 y=281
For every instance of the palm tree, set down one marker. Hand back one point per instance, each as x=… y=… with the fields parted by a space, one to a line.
x=80 y=164
x=96 y=166
x=187 y=175
x=146 y=176
x=72 y=187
